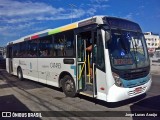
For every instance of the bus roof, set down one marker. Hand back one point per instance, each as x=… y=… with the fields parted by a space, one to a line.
x=87 y=21
x=52 y=31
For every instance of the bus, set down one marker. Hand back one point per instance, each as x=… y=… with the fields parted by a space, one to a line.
x=58 y=57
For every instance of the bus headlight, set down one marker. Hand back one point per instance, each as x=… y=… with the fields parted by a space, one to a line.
x=117 y=79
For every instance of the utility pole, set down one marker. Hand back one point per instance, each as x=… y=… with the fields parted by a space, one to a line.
x=72 y=6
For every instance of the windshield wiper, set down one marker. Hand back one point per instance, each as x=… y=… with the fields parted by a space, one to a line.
x=122 y=41
x=127 y=49
x=135 y=51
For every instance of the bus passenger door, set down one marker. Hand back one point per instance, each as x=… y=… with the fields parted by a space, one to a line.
x=10 y=59
x=85 y=81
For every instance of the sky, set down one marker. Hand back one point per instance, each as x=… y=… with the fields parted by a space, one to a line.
x=19 y=18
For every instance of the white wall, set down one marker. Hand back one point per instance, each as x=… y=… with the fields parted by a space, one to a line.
x=152 y=40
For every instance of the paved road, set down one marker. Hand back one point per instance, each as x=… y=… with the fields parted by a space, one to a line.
x=30 y=96
x=155 y=68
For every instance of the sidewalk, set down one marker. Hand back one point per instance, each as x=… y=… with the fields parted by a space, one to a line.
x=155 y=68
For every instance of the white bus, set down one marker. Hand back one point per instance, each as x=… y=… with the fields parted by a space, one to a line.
x=119 y=63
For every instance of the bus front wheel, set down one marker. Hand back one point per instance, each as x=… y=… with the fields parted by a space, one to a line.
x=68 y=86
x=20 y=74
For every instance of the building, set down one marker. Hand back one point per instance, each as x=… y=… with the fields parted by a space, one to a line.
x=2 y=52
x=153 y=41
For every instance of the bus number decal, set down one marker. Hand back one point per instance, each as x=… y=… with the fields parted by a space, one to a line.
x=55 y=65
x=22 y=62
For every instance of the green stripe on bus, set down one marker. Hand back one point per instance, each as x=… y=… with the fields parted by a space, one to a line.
x=54 y=31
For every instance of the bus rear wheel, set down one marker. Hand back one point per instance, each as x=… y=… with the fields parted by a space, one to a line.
x=20 y=74
x=68 y=86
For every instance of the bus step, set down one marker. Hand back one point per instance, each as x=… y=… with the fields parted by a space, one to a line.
x=87 y=93
x=89 y=87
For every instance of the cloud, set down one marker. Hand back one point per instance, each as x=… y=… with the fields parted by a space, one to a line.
x=20 y=12
x=129 y=16
x=25 y=11
x=137 y=13
x=11 y=32
x=96 y=5
x=26 y=17
x=91 y=11
x=77 y=13
x=141 y=7
x=14 y=20
x=10 y=8
x=14 y=28
x=101 y=6
x=19 y=16
x=99 y=1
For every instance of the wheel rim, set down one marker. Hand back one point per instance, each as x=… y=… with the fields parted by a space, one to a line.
x=19 y=75
x=69 y=86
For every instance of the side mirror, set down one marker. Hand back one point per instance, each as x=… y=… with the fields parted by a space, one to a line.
x=104 y=26
x=107 y=36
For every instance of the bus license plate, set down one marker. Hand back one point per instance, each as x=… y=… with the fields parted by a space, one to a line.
x=138 y=90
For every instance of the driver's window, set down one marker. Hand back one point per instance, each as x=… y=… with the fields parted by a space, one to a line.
x=100 y=54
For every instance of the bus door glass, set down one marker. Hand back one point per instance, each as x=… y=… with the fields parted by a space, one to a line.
x=81 y=60
x=10 y=61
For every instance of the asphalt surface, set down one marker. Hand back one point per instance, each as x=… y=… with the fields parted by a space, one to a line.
x=27 y=96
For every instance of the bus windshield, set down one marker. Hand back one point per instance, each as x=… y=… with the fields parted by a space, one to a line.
x=127 y=49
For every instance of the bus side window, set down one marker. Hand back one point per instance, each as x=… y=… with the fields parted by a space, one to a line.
x=69 y=45
x=45 y=46
x=58 y=44
x=32 y=48
x=16 y=50
x=63 y=44
x=23 y=49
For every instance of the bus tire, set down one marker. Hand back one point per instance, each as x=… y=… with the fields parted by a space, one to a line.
x=68 y=86
x=20 y=74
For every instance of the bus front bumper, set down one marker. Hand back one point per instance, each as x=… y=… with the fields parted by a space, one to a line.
x=116 y=94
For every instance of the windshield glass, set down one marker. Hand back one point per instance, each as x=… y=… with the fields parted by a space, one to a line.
x=127 y=50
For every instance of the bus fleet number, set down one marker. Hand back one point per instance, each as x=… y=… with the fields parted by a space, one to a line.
x=55 y=65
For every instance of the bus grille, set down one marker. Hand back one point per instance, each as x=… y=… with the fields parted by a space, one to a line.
x=135 y=75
